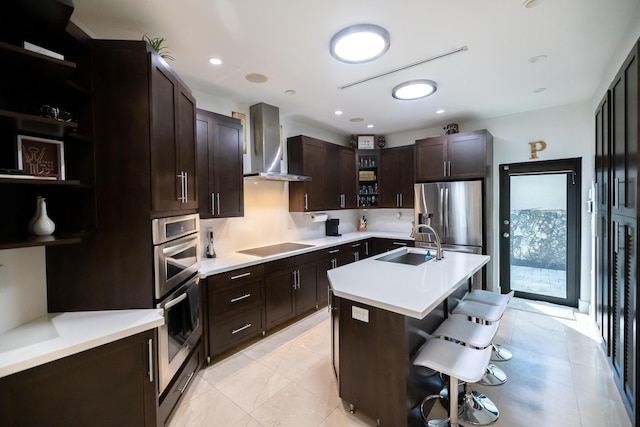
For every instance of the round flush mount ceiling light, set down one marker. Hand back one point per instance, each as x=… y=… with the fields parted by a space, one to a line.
x=414 y=89
x=215 y=61
x=360 y=43
x=256 y=78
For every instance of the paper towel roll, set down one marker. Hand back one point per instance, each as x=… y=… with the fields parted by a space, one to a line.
x=319 y=217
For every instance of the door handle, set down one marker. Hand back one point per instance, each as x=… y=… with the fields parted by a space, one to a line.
x=150 y=354
x=306 y=202
x=213 y=203
x=218 y=202
x=505 y=235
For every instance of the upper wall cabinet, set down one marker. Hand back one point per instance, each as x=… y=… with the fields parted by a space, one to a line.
x=146 y=120
x=219 y=165
x=397 y=177
x=624 y=137
x=603 y=158
x=45 y=95
x=465 y=155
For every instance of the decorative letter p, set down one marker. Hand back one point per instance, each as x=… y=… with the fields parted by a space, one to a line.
x=535 y=147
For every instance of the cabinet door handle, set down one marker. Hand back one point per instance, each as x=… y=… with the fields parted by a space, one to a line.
x=615 y=196
x=295 y=279
x=240 y=276
x=187 y=383
x=449 y=163
x=182 y=198
x=366 y=248
x=235 y=331
x=356 y=256
x=400 y=243
x=355 y=245
x=401 y=201
x=444 y=168
x=306 y=202
x=240 y=298
x=334 y=251
x=150 y=354
x=218 y=202
x=213 y=203
x=186 y=188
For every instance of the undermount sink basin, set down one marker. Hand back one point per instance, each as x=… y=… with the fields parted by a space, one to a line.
x=408 y=256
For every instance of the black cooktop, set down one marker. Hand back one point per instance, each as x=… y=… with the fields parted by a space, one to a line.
x=280 y=248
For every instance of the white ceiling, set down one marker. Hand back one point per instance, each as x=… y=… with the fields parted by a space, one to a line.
x=288 y=40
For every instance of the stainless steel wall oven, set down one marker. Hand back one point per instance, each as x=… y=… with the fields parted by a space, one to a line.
x=176 y=259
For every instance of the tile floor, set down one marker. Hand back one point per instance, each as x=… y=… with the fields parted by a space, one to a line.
x=557 y=377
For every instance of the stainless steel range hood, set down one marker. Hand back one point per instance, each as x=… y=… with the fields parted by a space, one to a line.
x=266 y=150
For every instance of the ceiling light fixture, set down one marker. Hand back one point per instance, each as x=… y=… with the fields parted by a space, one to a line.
x=338 y=113
x=530 y=4
x=369 y=126
x=414 y=89
x=439 y=111
x=215 y=61
x=290 y=92
x=360 y=43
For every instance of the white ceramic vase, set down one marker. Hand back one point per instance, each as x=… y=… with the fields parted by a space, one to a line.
x=41 y=224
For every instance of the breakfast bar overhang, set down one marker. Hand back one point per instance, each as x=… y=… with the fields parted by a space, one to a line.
x=380 y=313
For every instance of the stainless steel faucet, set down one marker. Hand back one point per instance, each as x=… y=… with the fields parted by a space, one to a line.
x=418 y=236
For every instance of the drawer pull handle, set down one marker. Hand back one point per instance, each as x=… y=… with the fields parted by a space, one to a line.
x=236 y=299
x=235 y=331
x=356 y=245
x=239 y=276
x=334 y=251
x=187 y=383
x=400 y=243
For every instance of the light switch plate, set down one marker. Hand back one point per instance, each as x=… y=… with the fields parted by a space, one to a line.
x=361 y=314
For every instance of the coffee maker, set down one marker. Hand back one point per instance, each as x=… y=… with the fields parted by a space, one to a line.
x=331 y=227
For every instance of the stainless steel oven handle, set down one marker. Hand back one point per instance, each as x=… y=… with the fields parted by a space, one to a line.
x=169 y=250
x=187 y=383
x=235 y=331
x=239 y=276
x=175 y=301
x=240 y=298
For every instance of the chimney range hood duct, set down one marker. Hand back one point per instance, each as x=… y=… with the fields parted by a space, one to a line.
x=266 y=150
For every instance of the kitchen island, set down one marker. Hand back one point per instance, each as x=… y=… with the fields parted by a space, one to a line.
x=379 y=310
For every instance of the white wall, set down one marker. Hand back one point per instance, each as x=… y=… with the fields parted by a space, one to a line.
x=23 y=291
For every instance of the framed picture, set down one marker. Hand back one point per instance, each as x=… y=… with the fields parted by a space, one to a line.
x=366 y=142
x=243 y=121
x=40 y=157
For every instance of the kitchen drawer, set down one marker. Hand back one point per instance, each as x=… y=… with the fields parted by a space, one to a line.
x=174 y=392
x=236 y=277
x=236 y=298
x=237 y=329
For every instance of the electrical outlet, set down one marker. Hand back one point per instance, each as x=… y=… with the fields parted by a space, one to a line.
x=361 y=314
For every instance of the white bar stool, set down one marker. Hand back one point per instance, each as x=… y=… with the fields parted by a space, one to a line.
x=478 y=335
x=489 y=314
x=460 y=363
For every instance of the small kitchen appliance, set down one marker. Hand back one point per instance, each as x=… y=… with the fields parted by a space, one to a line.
x=331 y=227
x=211 y=252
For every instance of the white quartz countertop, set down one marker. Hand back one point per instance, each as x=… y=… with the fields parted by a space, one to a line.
x=234 y=260
x=405 y=289
x=57 y=335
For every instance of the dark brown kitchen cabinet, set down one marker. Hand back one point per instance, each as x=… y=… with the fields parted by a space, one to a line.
x=396 y=177
x=348 y=185
x=171 y=118
x=368 y=162
x=175 y=391
x=306 y=157
x=465 y=155
x=291 y=287
x=219 y=165
x=624 y=137
x=30 y=81
x=380 y=245
x=235 y=309
x=339 y=190
x=333 y=257
x=110 y=385
x=603 y=154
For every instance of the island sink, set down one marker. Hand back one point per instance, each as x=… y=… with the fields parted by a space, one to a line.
x=408 y=256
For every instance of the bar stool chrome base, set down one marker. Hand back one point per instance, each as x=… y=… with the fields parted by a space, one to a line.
x=493 y=376
x=473 y=407
x=500 y=353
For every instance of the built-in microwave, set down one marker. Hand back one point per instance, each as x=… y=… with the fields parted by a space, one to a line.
x=176 y=251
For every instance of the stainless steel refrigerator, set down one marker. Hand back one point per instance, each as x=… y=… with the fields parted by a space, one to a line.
x=454 y=210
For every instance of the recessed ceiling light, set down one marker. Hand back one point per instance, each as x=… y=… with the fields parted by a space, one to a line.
x=356 y=120
x=369 y=126
x=529 y=4
x=290 y=92
x=540 y=90
x=215 y=61
x=537 y=58
x=256 y=78
x=439 y=111
x=414 y=89
x=360 y=43
x=338 y=113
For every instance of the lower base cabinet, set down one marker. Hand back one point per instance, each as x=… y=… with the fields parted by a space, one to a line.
x=108 y=385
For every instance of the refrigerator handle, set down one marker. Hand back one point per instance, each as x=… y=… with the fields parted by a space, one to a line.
x=446 y=213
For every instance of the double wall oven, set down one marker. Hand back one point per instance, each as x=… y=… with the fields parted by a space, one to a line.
x=176 y=252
